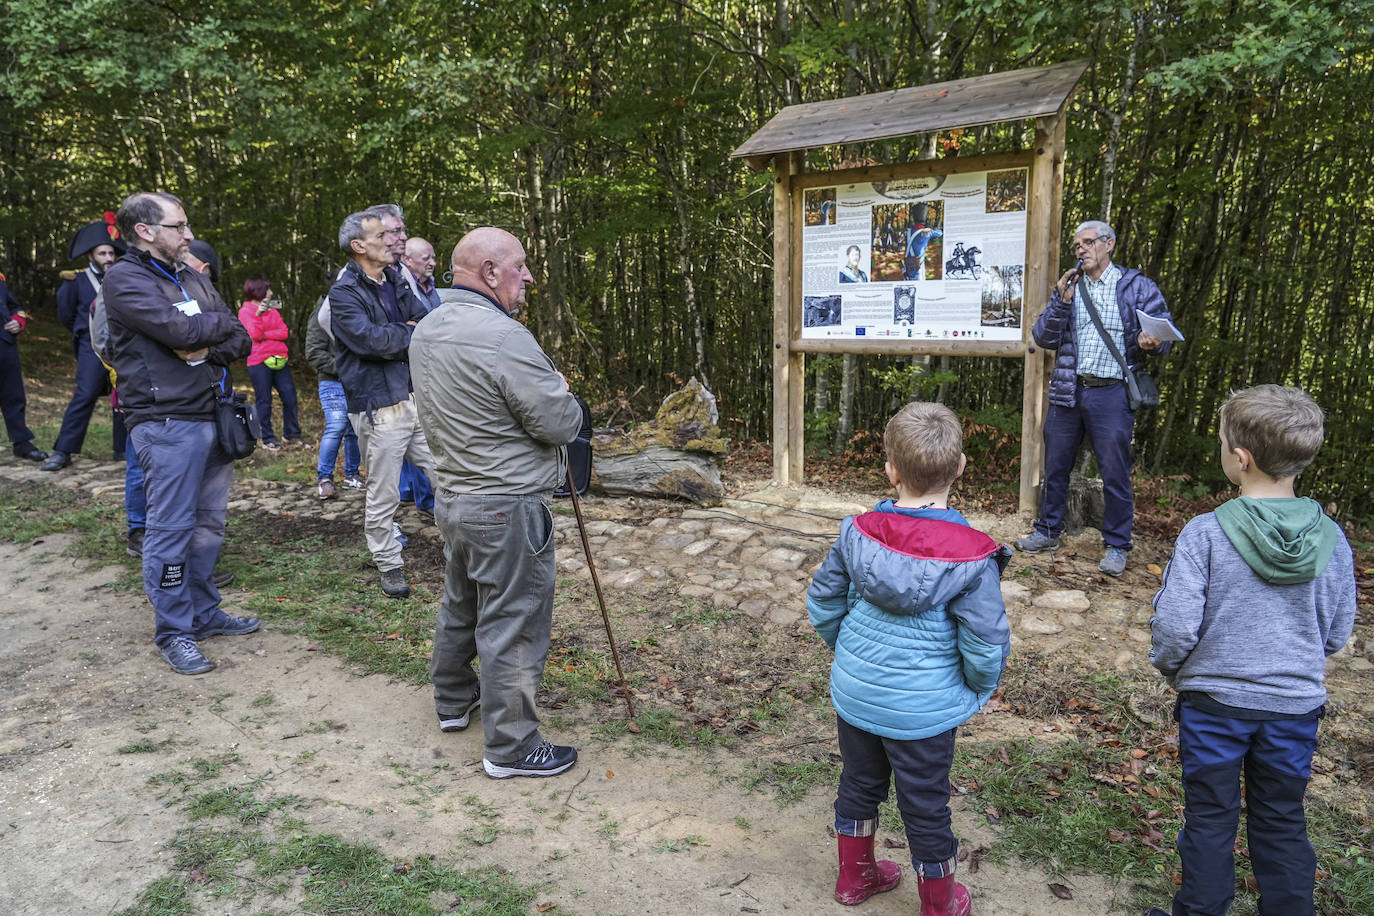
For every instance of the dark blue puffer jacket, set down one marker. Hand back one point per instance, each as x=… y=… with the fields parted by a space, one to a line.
x=1054 y=330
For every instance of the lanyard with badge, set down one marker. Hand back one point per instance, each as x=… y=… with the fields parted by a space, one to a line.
x=187 y=305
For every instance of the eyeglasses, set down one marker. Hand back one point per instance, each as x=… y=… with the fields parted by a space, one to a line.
x=1088 y=243
x=178 y=228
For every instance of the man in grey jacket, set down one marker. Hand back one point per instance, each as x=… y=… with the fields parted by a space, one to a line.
x=495 y=412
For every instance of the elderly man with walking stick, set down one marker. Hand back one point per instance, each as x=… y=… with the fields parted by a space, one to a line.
x=496 y=413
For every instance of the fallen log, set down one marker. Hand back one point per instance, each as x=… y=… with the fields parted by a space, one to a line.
x=674 y=455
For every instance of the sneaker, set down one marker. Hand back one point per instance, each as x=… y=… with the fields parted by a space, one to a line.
x=399 y=535
x=223 y=578
x=355 y=483
x=133 y=544
x=271 y=446
x=56 y=461
x=394 y=583
x=1113 y=561
x=452 y=722
x=1037 y=542
x=294 y=443
x=1155 y=911
x=185 y=657
x=545 y=760
x=223 y=624
x=325 y=489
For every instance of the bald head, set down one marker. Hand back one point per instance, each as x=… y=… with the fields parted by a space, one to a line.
x=419 y=257
x=492 y=261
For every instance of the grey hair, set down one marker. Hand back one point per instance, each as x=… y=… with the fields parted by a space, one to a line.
x=144 y=207
x=352 y=228
x=380 y=210
x=1096 y=225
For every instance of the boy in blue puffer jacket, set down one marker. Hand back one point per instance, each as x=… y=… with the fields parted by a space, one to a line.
x=910 y=599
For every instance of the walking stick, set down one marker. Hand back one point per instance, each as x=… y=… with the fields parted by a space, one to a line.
x=600 y=599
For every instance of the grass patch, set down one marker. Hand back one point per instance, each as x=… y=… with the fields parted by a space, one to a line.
x=791 y=782
x=250 y=853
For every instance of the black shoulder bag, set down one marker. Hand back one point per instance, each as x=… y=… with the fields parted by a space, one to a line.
x=235 y=423
x=1141 y=390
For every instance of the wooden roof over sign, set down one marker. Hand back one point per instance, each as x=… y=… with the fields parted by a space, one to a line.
x=1011 y=96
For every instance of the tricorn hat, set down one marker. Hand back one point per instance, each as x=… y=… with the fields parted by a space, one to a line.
x=93 y=235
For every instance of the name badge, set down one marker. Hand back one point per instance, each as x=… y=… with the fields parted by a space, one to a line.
x=188 y=307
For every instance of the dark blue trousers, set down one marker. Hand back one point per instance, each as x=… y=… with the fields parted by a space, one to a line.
x=920 y=770
x=92 y=384
x=1276 y=759
x=1102 y=415
x=264 y=380
x=186 y=478
x=13 y=402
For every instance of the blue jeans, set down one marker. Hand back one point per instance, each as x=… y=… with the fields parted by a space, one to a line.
x=920 y=768
x=264 y=380
x=186 y=477
x=135 y=500
x=1276 y=758
x=1101 y=414
x=415 y=487
x=337 y=429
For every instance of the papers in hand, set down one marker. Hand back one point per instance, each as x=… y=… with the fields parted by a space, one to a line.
x=1160 y=328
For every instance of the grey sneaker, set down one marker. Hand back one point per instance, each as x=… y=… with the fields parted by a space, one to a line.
x=394 y=583
x=355 y=483
x=133 y=544
x=1036 y=542
x=1113 y=561
x=455 y=722
x=223 y=624
x=185 y=657
x=545 y=760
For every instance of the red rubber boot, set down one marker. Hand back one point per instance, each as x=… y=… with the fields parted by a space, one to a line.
x=943 y=896
x=860 y=875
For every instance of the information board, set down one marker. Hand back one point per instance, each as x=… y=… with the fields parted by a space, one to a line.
x=929 y=257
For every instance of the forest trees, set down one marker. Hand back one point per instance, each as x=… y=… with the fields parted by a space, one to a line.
x=1227 y=142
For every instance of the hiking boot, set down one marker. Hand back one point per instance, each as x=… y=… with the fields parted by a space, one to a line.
x=1113 y=561
x=862 y=876
x=545 y=760
x=325 y=489
x=184 y=656
x=355 y=483
x=223 y=624
x=222 y=578
x=56 y=461
x=1037 y=542
x=28 y=450
x=943 y=896
x=454 y=722
x=394 y=583
x=133 y=544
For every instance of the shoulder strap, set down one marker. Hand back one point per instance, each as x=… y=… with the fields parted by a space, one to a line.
x=1127 y=375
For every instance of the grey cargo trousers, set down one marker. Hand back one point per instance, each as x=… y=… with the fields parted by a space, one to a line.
x=498 y=606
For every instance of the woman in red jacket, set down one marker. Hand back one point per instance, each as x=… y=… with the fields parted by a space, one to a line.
x=267 y=363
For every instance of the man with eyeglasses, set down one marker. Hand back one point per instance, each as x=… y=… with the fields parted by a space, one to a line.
x=1088 y=391
x=171 y=341
x=371 y=316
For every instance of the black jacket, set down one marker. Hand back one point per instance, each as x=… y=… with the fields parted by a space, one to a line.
x=371 y=351
x=145 y=328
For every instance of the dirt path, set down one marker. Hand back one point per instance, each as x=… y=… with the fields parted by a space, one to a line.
x=86 y=828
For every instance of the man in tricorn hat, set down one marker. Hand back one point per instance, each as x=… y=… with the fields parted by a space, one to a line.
x=100 y=244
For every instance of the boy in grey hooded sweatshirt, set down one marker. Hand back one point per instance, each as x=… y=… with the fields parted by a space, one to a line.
x=1257 y=594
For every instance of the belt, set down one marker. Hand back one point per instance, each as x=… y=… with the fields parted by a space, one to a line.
x=1097 y=381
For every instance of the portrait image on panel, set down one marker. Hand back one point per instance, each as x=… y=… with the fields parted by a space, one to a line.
x=1006 y=191
x=965 y=262
x=820 y=207
x=851 y=270
x=820 y=311
x=906 y=241
x=904 y=306
x=1002 y=294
